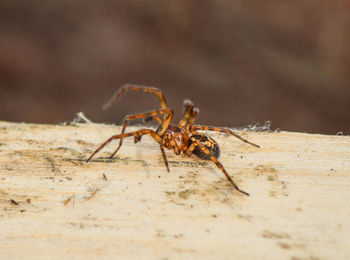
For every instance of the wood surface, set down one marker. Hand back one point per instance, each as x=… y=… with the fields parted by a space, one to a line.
x=55 y=206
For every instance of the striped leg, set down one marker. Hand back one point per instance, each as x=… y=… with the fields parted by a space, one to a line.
x=218 y=164
x=194 y=128
x=136 y=133
x=126 y=87
x=164 y=157
x=150 y=118
x=165 y=123
x=147 y=120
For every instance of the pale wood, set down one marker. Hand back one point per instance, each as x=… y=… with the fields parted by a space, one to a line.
x=298 y=209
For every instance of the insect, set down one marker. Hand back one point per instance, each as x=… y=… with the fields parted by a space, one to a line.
x=181 y=138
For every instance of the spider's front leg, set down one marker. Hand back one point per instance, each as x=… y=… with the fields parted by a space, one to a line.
x=197 y=143
x=150 y=118
x=136 y=133
x=126 y=87
x=164 y=124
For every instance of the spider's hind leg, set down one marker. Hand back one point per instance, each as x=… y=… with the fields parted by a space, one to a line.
x=194 y=128
x=196 y=143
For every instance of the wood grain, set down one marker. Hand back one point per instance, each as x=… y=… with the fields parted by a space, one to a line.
x=54 y=205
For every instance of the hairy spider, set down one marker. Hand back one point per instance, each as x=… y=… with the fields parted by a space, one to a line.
x=182 y=138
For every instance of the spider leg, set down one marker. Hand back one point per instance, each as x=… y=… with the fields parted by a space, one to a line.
x=150 y=118
x=188 y=105
x=126 y=87
x=148 y=114
x=164 y=158
x=193 y=129
x=136 y=133
x=147 y=120
x=137 y=139
x=218 y=164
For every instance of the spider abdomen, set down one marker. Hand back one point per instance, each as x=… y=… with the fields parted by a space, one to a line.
x=209 y=143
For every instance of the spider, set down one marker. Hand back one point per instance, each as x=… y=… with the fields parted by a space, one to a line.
x=182 y=138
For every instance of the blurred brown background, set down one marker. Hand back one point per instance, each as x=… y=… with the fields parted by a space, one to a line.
x=238 y=61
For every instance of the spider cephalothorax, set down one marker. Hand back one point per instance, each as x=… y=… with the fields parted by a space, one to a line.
x=182 y=138
x=175 y=138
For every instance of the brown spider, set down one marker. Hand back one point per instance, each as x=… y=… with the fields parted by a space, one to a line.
x=182 y=138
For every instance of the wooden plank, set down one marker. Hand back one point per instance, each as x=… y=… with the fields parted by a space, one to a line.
x=54 y=205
